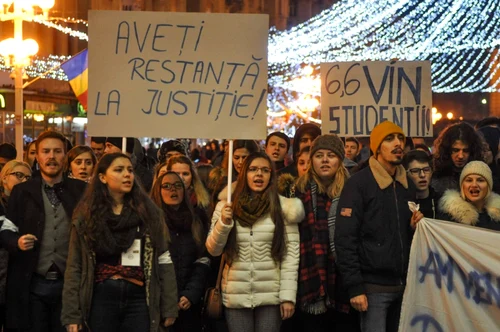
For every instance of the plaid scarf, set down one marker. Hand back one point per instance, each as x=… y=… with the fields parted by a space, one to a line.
x=316 y=289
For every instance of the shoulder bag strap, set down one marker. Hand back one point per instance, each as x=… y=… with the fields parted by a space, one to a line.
x=221 y=268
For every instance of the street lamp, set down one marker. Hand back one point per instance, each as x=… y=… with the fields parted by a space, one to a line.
x=17 y=52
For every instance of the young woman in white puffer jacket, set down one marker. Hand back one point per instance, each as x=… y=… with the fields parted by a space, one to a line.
x=259 y=235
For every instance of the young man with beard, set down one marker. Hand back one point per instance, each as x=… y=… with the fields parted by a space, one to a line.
x=418 y=167
x=455 y=146
x=36 y=235
x=373 y=232
x=277 y=145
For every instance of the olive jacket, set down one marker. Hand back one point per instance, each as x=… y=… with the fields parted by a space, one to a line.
x=160 y=283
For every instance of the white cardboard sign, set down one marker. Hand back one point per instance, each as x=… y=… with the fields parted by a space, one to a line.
x=356 y=96
x=184 y=75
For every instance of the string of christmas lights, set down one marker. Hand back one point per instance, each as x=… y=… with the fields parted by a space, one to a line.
x=69 y=20
x=73 y=33
x=459 y=37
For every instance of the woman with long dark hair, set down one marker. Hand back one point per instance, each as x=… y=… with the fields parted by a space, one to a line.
x=241 y=150
x=119 y=274
x=258 y=234
x=188 y=228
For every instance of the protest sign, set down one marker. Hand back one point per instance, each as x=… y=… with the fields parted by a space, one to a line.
x=453 y=279
x=183 y=75
x=356 y=96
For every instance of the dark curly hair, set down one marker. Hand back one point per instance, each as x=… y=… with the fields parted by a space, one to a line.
x=462 y=131
x=97 y=203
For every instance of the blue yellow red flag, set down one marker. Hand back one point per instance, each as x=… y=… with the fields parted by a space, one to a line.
x=76 y=69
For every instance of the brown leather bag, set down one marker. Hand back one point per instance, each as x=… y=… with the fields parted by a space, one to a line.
x=212 y=307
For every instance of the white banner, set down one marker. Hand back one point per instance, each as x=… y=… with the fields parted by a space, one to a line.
x=183 y=75
x=356 y=96
x=453 y=279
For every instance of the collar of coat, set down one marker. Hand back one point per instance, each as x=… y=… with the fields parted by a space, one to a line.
x=293 y=209
x=464 y=212
x=384 y=179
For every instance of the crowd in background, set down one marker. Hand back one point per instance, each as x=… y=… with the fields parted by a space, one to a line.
x=315 y=236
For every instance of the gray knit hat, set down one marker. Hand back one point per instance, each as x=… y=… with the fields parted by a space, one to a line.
x=328 y=142
x=478 y=168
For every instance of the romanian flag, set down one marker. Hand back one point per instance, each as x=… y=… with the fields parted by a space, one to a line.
x=76 y=69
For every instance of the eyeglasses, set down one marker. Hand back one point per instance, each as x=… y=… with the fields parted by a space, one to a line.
x=170 y=186
x=255 y=169
x=416 y=171
x=21 y=176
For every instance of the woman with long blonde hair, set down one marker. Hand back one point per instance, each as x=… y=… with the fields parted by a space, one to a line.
x=185 y=168
x=319 y=189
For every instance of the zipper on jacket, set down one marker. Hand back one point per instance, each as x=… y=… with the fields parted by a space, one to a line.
x=399 y=233
x=252 y=267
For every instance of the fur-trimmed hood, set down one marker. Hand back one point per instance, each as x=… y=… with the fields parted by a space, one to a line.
x=293 y=209
x=286 y=185
x=384 y=179
x=464 y=212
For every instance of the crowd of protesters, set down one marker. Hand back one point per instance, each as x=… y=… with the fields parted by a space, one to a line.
x=315 y=236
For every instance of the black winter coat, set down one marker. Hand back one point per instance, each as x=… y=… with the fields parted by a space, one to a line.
x=373 y=232
x=190 y=264
x=26 y=211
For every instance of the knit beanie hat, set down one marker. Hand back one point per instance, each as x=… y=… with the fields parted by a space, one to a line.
x=381 y=131
x=172 y=145
x=477 y=168
x=280 y=135
x=117 y=141
x=328 y=142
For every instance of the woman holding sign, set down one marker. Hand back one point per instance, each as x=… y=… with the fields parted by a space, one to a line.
x=476 y=204
x=258 y=234
x=241 y=150
x=119 y=274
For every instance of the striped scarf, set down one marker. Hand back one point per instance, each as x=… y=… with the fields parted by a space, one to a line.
x=316 y=290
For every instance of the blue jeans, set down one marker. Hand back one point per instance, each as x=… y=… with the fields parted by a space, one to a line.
x=120 y=306
x=383 y=312
x=260 y=319
x=45 y=305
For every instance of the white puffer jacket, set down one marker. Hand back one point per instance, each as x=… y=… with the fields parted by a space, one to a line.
x=253 y=279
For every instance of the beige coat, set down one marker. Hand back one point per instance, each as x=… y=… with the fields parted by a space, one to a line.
x=254 y=279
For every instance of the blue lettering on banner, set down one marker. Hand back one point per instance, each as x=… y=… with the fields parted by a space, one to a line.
x=113 y=100
x=481 y=287
x=365 y=117
x=167 y=68
x=427 y=322
x=395 y=96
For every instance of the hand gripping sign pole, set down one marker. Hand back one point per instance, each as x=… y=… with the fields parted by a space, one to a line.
x=230 y=172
